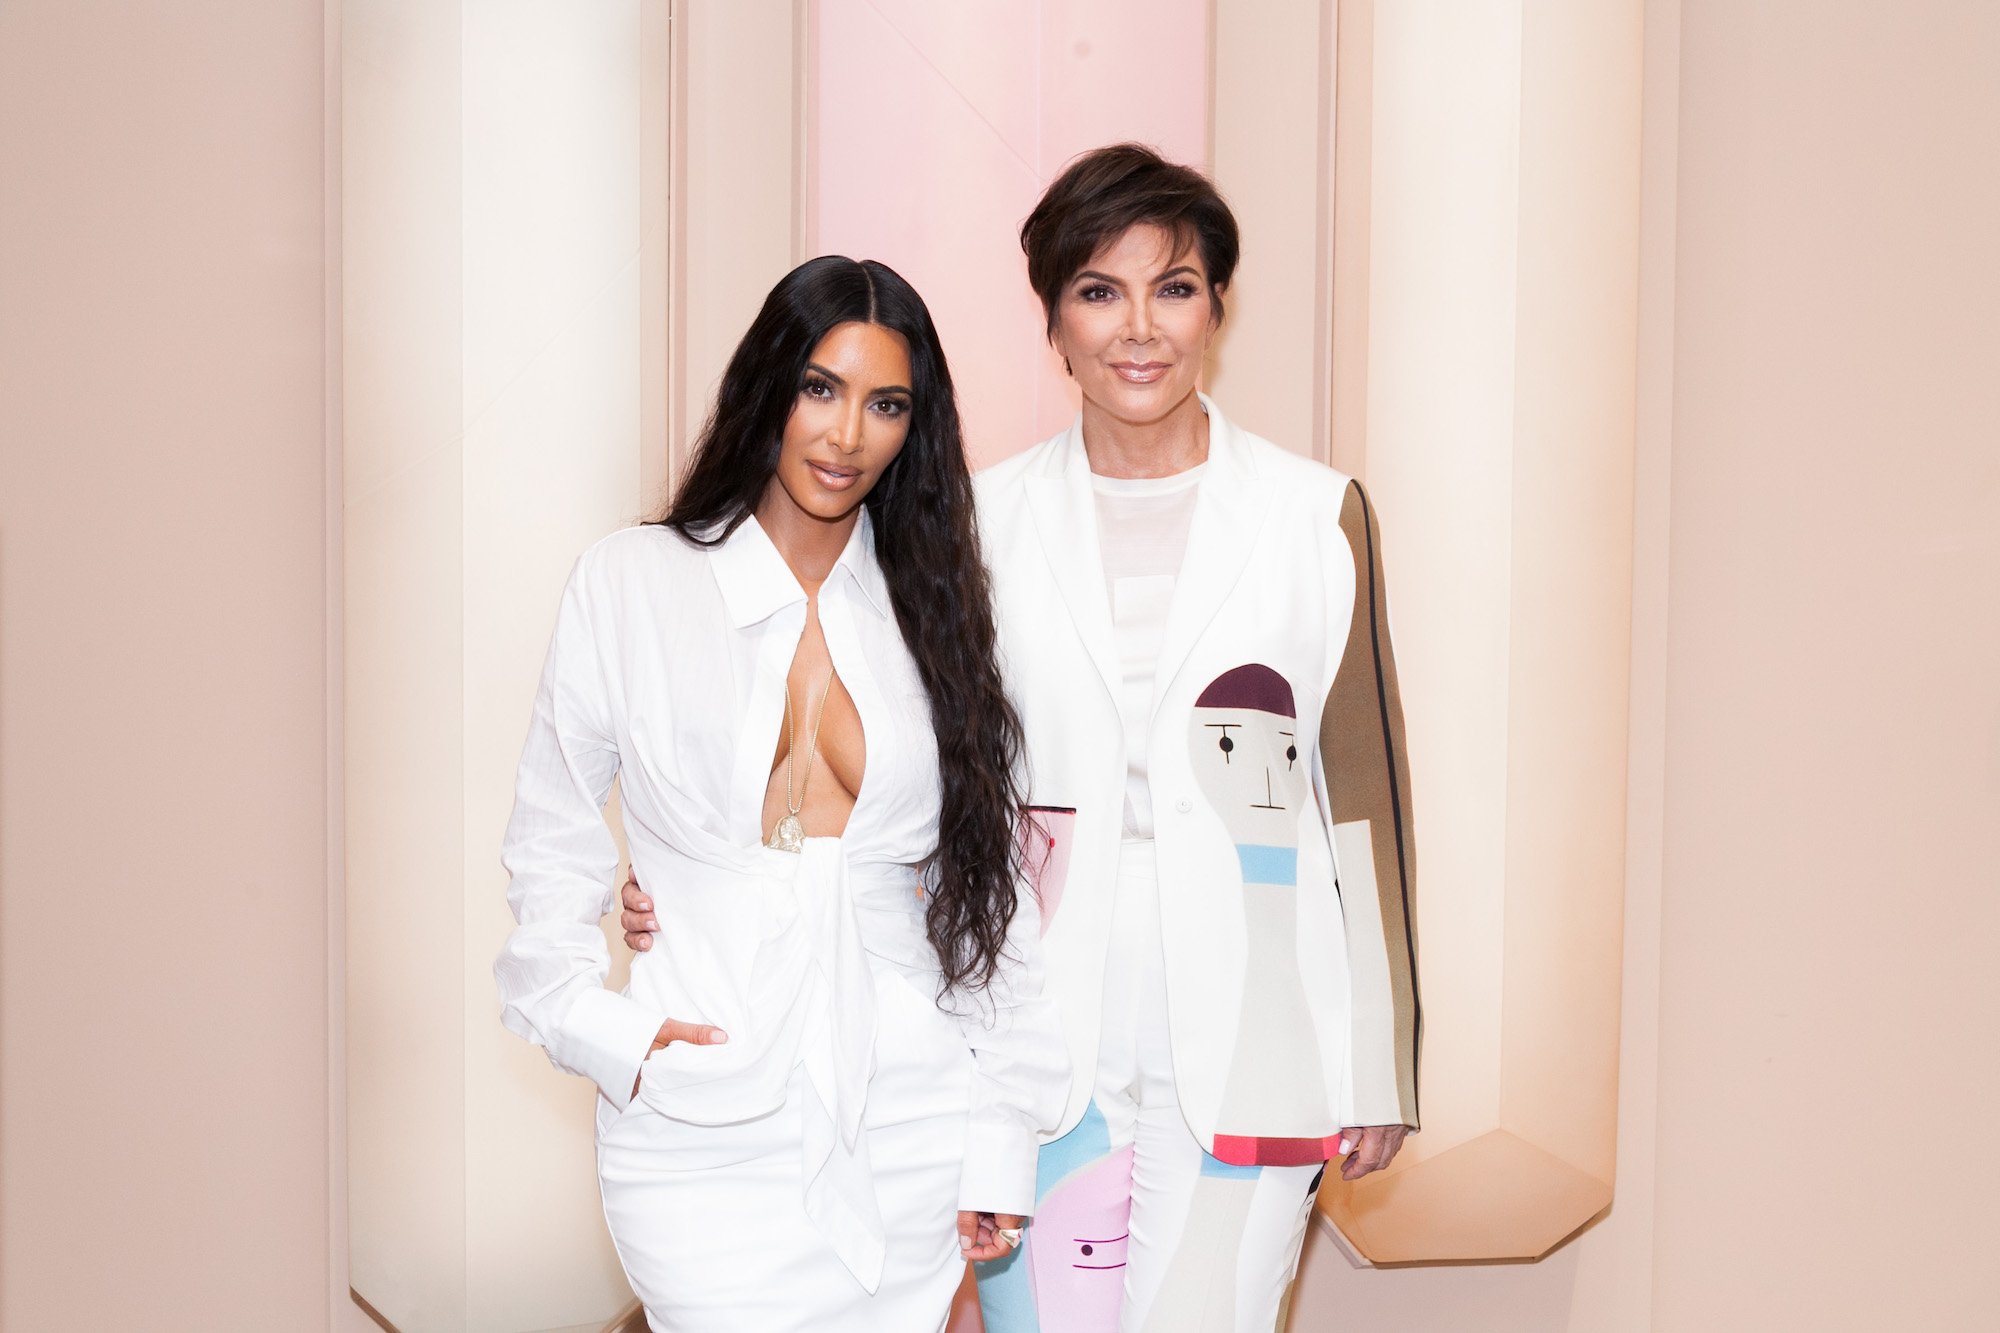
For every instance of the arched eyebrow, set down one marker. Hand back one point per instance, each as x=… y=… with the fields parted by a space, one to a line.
x=1107 y=279
x=825 y=374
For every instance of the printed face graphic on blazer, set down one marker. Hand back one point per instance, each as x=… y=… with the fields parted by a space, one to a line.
x=1244 y=743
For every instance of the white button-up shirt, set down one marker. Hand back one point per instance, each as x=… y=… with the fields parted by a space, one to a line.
x=668 y=671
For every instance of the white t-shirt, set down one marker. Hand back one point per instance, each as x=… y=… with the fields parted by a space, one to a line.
x=1142 y=531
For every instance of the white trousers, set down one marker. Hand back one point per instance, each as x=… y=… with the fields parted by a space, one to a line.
x=709 y=1222
x=1137 y=1228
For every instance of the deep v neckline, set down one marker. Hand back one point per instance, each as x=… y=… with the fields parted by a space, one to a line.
x=817 y=608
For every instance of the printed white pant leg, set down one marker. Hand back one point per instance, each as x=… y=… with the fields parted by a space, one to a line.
x=708 y=1220
x=1213 y=1246
x=1193 y=1244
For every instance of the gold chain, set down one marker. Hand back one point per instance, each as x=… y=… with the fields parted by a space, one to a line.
x=791 y=755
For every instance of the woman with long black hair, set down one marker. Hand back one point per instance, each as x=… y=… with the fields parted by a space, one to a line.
x=842 y=1042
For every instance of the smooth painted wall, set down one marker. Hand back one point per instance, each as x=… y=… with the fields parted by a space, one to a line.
x=164 y=604
x=1832 y=855
x=1811 y=894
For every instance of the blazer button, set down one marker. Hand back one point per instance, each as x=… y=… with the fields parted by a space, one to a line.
x=1183 y=805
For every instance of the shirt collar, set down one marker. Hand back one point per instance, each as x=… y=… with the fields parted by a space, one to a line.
x=756 y=582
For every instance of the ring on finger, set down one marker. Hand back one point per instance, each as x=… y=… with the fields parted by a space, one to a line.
x=1009 y=1236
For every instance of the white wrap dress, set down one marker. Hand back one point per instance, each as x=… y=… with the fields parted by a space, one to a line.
x=806 y=1173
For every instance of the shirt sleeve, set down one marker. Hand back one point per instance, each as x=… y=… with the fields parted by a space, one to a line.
x=1021 y=1073
x=562 y=863
x=1367 y=786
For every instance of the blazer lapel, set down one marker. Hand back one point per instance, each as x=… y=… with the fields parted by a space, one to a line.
x=1065 y=514
x=1228 y=512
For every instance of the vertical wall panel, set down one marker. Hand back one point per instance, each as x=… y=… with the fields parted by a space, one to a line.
x=1445 y=202
x=403 y=409
x=1273 y=134
x=552 y=245
x=496 y=243
x=1500 y=348
x=1832 y=904
x=163 y=634
x=737 y=174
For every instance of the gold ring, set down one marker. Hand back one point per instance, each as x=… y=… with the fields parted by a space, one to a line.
x=1009 y=1236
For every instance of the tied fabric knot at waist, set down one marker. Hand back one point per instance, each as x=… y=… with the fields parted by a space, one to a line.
x=774 y=950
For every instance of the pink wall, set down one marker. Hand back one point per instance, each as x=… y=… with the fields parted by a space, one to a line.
x=934 y=128
x=1832 y=899
x=164 y=582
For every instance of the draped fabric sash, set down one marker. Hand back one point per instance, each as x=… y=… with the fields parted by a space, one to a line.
x=775 y=952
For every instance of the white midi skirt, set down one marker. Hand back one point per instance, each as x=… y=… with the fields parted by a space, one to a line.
x=709 y=1222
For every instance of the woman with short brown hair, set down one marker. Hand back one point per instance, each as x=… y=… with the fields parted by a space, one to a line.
x=1193 y=626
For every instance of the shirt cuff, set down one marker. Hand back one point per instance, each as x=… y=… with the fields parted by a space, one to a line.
x=606 y=1037
x=999 y=1171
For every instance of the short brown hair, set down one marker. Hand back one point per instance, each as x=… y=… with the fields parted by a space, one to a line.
x=1106 y=192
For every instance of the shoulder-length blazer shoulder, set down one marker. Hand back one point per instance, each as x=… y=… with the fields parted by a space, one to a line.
x=1285 y=853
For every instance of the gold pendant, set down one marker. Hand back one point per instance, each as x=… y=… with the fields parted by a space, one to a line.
x=788 y=836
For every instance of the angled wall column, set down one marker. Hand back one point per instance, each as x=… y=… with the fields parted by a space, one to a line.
x=1500 y=173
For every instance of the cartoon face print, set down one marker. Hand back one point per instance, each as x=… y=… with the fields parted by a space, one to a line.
x=1248 y=755
x=1078 y=1245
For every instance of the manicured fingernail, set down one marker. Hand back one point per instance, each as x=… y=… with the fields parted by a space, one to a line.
x=719 y=1036
x=652 y=924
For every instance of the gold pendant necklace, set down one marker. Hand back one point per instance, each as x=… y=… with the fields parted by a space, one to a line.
x=790 y=835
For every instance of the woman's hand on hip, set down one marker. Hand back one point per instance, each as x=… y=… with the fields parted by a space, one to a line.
x=637 y=918
x=673 y=1030
x=979 y=1237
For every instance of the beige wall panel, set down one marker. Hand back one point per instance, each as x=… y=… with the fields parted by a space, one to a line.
x=1569 y=673
x=475 y=1203
x=1345 y=366
x=1828 y=1009
x=656 y=202
x=403 y=352
x=552 y=464
x=400 y=71
x=404 y=742
x=1444 y=204
x=737 y=67
x=1614 y=1274
x=1502 y=180
x=551 y=147
x=163 y=608
x=1272 y=112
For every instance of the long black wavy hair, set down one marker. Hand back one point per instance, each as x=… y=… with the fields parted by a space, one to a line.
x=927 y=541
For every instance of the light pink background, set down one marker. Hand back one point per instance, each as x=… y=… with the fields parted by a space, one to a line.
x=933 y=130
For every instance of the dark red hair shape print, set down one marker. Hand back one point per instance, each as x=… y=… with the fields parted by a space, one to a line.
x=1252 y=685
